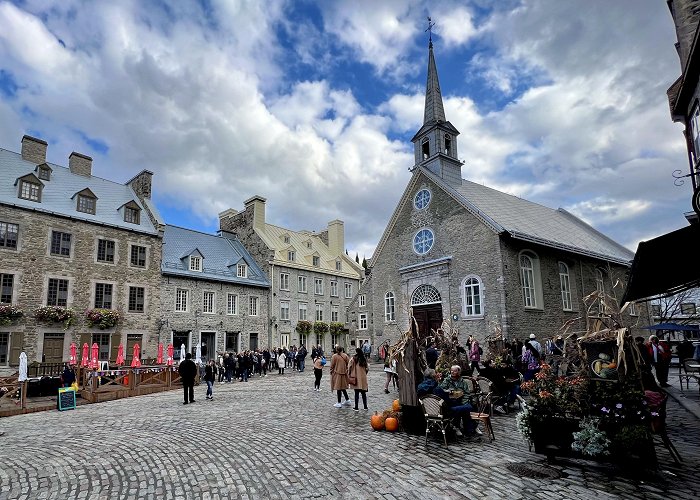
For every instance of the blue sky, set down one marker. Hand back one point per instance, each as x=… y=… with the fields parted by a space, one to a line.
x=313 y=104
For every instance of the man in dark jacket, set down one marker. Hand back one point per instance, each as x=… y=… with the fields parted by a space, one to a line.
x=301 y=357
x=188 y=371
x=431 y=356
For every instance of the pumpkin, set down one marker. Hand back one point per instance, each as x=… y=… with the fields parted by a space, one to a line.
x=377 y=421
x=391 y=424
x=396 y=405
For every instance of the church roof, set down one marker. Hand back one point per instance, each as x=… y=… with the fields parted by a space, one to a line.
x=529 y=221
x=434 y=110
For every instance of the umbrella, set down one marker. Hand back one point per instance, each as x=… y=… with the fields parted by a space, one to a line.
x=182 y=353
x=136 y=361
x=95 y=354
x=159 y=361
x=85 y=360
x=171 y=353
x=22 y=367
x=120 y=355
x=73 y=354
x=198 y=356
x=673 y=326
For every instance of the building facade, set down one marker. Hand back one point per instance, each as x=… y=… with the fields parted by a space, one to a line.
x=311 y=277
x=70 y=240
x=459 y=255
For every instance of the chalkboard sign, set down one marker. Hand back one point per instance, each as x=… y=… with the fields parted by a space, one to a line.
x=66 y=399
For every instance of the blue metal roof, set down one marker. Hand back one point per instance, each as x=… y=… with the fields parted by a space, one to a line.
x=220 y=256
x=57 y=196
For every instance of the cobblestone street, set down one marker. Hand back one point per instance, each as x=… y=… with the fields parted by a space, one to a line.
x=276 y=438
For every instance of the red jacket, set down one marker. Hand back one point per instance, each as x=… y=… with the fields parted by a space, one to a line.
x=664 y=354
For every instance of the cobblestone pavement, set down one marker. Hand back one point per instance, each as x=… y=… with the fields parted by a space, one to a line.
x=276 y=438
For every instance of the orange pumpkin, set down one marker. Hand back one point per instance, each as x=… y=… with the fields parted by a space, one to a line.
x=391 y=424
x=396 y=405
x=377 y=421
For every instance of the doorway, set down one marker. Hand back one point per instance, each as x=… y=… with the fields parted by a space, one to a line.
x=428 y=319
x=284 y=340
x=208 y=346
x=253 y=341
x=53 y=348
x=179 y=339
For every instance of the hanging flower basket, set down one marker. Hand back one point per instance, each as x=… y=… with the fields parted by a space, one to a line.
x=9 y=313
x=336 y=328
x=320 y=328
x=102 y=318
x=55 y=314
x=304 y=327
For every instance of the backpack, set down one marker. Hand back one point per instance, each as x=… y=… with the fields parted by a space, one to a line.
x=481 y=351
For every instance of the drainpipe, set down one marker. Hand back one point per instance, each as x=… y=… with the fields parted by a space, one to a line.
x=270 y=304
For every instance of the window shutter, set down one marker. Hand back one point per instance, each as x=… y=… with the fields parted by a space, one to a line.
x=85 y=338
x=15 y=348
x=114 y=348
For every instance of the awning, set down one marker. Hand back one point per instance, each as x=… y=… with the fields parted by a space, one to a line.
x=665 y=265
x=673 y=326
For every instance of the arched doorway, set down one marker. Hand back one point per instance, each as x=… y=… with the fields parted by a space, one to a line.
x=427 y=310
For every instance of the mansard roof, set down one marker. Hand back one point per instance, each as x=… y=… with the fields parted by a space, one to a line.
x=219 y=254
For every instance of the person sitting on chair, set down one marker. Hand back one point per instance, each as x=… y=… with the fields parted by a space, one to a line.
x=454 y=390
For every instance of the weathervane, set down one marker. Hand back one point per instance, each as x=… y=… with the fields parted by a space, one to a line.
x=430 y=30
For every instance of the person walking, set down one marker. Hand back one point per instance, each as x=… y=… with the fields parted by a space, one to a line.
x=660 y=357
x=188 y=371
x=357 y=370
x=210 y=378
x=389 y=371
x=301 y=357
x=474 y=355
x=281 y=362
x=318 y=373
x=339 y=376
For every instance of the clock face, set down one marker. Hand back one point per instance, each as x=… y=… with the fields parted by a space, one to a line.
x=423 y=241
x=421 y=199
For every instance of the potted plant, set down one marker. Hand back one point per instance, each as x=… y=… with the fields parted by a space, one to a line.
x=55 y=314
x=102 y=318
x=9 y=313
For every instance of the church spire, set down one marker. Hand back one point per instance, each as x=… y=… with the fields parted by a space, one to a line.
x=434 y=111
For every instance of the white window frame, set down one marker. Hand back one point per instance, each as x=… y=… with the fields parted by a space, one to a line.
x=632 y=309
x=291 y=255
x=318 y=286
x=231 y=304
x=301 y=284
x=334 y=288
x=389 y=307
x=241 y=271
x=362 y=300
x=195 y=263
x=316 y=260
x=530 y=279
x=470 y=297
x=284 y=281
x=319 y=311
x=253 y=305
x=182 y=296
x=348 y=290
x=284 y=310
x=362 y=321
x=565 y=287
x=208 y=302
x=338 y=265
x=303 y=311
x=335 y=311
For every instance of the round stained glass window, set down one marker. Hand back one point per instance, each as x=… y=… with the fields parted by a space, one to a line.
x=423 y=241
x=421 y=199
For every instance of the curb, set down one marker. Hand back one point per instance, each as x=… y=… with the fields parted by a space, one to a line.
x=690 y=405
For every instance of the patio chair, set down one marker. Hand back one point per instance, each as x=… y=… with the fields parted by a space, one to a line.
x=687 y=370
x=481 y=415
x=658 y=427
x=436 y=416
x=485 y=394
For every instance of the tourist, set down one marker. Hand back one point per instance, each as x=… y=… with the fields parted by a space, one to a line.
x=535 y=344
x=531 y=361
x=318 y=373
x=209 y=378
x=273 y=359
x=474 y=354
x=188 y=371
x=68 y=376
x=281 y=362
x=229 y=366
x=429 y=384
x=457 y=399
x=222 y=368
x=389 y=371
x=339 y=376
x=660 y=357
x=301 y=357
x=431 y=355
x=366 y=349
x=358 y=369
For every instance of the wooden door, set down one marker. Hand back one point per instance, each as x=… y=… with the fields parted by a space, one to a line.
x=428 y=318
x=53 y=347
x=131 y=341
x=15 y=348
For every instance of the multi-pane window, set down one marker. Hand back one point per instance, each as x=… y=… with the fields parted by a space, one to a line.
x=348 y=290
x=57 y=293
x=316 y=260
x=7 y=282
x=208 y=302
x=291 y=255
x=334 y=314
x=131 y=215
x=302 y=284
x=284 y=281
x=103 y=295
x=633 y=309
x=527 y=275
x=8 y=235
x=389 y=311
x=44 y=174
x=362 y=301
x=286 y=239
x=687 y=308
x=86 y=204
x=472 y=296
x=60 y=243
x=137 y=296
x=30 y=191
x=242 y=271
x=656 y=310
x=302 y=311
x=334 y=288
x=105 y=251
x=232 y=303
x=253 y=306
x=362 y=325
x=318 y=286
x=319 y=312
x=284 y=309
x=181 y=299
x=138 y=256
x=102 y=340
x=195 y=263
x=565 y=287
x=4 y=347
x=338 y=265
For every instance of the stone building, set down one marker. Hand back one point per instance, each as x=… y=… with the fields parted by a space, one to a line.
x=212 y=292
x=70 y=239
x=463 y=255
x=311 y=277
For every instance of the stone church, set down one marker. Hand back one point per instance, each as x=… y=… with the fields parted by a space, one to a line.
x=462 y=255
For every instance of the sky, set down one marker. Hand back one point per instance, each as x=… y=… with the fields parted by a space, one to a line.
x=312 y=104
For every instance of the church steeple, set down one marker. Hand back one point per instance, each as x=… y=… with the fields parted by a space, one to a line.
x=435 y=144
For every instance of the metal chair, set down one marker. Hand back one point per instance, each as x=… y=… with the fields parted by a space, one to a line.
x=484 y=417
x=689 y=369
x=436 y=415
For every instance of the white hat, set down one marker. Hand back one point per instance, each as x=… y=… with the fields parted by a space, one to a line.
x=532 y=335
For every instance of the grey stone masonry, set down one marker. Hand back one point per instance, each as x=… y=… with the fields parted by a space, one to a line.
x=34 y=149
x=141 y=184
x=80 y=164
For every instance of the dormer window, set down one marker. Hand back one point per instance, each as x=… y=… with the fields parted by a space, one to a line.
x=286 y=239
x=316 y=261
x=132 y=212
x=308 y=244
x=30 y=191
x=86 y=204
x=291 y=255
x=195 y=263
x=425 y=148
x=448 y=144
x=338 y=265
x=44 y=172
x=242 y=271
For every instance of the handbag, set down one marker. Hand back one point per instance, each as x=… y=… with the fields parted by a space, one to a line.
x=352 y=379
x=323 y=361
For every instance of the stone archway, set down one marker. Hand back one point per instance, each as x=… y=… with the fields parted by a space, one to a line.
x=427 y=310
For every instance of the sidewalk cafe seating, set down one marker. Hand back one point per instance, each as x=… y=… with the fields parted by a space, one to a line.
x=483 y=416
x=658 y=428
x=689 y=370
x=436 y=416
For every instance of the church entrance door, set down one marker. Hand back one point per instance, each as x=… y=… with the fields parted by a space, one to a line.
x=428 y=318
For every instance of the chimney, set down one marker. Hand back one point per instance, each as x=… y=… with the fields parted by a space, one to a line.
x=34 y=149
x=141 y=184
x=225 y=219
x=336 y=237
x=257 y=205
x=80 y=164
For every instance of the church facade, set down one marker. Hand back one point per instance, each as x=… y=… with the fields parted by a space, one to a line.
x=459 y=255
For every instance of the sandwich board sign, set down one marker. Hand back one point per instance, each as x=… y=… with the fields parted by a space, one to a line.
x=66 y=399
